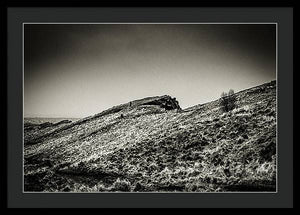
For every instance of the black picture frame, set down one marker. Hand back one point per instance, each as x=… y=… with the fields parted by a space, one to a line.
x=283 y=16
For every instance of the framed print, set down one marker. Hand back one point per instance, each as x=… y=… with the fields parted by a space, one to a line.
x=150 y=107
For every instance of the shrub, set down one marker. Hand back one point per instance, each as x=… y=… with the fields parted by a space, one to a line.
x=228 y=101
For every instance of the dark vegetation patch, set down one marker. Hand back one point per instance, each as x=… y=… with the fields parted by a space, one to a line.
x=34 y=182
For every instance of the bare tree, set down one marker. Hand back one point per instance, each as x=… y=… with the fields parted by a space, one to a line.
x=228 y=100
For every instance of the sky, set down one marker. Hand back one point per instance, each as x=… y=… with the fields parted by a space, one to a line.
x=77 y=70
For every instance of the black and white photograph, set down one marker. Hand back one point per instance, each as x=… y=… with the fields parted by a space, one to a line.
x=150 y=107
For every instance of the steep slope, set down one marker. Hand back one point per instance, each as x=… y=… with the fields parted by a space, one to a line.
x=153 y=145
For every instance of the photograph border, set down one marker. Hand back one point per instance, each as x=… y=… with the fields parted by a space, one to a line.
x=284 y=183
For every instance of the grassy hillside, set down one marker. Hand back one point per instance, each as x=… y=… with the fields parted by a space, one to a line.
x=152 y=145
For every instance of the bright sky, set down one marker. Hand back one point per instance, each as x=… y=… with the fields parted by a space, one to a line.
x=80 y=70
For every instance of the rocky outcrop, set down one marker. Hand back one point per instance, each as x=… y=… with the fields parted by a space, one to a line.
x=166 y=102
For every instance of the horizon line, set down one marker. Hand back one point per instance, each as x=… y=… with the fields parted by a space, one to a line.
x=81 y=117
